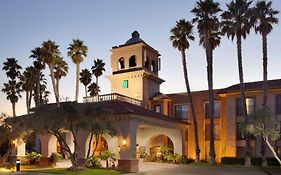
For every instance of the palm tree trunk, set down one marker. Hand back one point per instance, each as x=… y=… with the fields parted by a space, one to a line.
x=38 y=91
x=97 y=83
x=197 y=148
x=265 y=87
x=86 y=91
x=29 y=100
x=26 y=101
x=243 y=99
x=51 y=66
x=77 y=82
x=14 y=108
x=211 y=104
x=57 y=86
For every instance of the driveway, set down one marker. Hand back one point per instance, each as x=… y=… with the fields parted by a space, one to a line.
x=151 y=168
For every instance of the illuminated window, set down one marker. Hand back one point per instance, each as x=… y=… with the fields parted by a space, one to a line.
x=250 y=106
x=125 y=84
x=157 y=108
x=181 y=111
x=217 y=109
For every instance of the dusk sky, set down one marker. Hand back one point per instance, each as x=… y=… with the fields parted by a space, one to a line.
x=103 y=24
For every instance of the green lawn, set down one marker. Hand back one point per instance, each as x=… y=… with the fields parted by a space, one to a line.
x=79 y=172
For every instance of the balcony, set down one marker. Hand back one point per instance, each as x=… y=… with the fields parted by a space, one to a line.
x=113 y=96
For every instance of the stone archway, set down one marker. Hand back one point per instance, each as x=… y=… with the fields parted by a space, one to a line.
x=32 y=143
x=156 y=142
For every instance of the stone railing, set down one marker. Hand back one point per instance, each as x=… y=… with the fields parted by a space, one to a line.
x=113 y=96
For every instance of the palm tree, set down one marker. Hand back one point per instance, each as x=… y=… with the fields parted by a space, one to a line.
x=237 y=22
x=208 y=28
x=51 y=55
x=61 y=70
x=265 y=18
x=39 y=65
x=13 y=87
x=93 y=89
x=28 y=80
x=180 y=36
x=77 y=51
x=98 y=70
x=85 y=78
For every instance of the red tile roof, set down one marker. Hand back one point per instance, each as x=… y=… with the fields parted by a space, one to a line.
x=252 y=86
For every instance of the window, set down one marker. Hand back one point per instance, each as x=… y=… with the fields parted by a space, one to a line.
x=146 y=63
x=157 y=108
x=121 y=63
x=278 y=104
x=217 y=109
x=216 y=132
x=132 y=61
x=240 y=133
x=125 y=84
x=153 y=66
x=181 y=111
x=250 y=106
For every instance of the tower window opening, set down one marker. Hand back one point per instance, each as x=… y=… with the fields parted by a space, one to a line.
x=132 y=61
x=121 y=63
x=153 y=67
x=146 y=63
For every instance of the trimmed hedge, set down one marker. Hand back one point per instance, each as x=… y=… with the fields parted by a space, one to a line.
x=256 y=161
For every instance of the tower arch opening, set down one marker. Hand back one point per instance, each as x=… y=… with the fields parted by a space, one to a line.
x=132 y=61
x=121 y=63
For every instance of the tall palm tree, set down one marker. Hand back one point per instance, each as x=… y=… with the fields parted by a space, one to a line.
x=265 y=17
x=61 y=70
x=237 y=22
x=13 y=87
x=208 y=28
x=51 y=55
x=97 y=70
x=180 y=36
x=28 y=79
x=39 y=65
x=85 y=78
x=77 y=50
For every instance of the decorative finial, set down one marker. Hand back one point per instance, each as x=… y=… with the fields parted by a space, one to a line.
x=135 y=34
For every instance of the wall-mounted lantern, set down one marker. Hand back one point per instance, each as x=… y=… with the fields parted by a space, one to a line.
x=124 y=143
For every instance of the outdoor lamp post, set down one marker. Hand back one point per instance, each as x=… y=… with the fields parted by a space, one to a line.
x=17 y=165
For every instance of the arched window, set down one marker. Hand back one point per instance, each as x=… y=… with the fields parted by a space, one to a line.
x=153 y=66
x=146 y=63
x=132 y=61
x=121 y=63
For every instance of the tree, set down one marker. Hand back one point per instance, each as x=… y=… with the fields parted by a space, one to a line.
x=39 y=65
x=237 y=21
x=208 y=28
x=180 y=36
x=260 y=120
x=85 y=78
x=13 y=87
x=97 y=71
x=51 y=56
x=61 y=70
x=265 y=17
x=72 y=117
x=28 y=80
x=77 y=51
x=93 y=89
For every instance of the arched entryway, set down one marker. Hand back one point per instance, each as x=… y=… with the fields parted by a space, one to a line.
x=99 y=145
x=158 y=142
x=32 y=143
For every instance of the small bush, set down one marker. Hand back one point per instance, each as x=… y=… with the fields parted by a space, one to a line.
x=93 y=162
x=142 y=155
x=8 y=165
x=55 y=157
x=32 y=158
x=185 y=160
x=232 y=160
x=271 y=161
x=256 y=161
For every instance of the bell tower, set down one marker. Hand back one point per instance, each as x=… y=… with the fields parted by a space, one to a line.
x=135 y=67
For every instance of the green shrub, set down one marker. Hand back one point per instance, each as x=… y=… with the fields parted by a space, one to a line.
x=185 y=160
x=256 y=161
x=55 y=157
x=93 y=162
x=232 y=160
x=8 y=165
x=271 y=161
x=142 y=155
x=105 y=155
x=32 y=158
